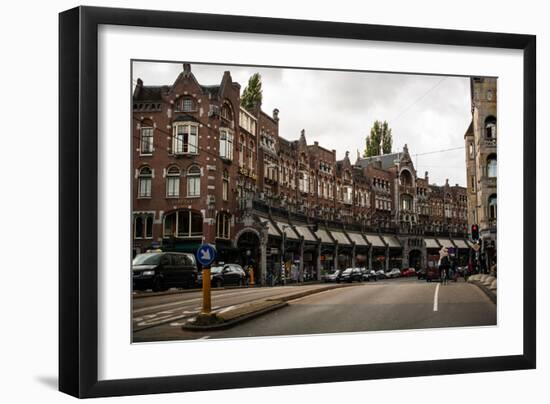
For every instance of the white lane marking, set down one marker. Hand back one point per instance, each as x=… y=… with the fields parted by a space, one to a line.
x=436 y=295
x=205 y=337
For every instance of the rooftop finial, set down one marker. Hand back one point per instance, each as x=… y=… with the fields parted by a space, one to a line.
x=187 y=68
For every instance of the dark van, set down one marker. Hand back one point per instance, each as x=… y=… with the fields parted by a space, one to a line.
x=162 y=270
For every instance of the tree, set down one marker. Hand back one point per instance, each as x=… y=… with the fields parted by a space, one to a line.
x=379 y=141
x=252 y=94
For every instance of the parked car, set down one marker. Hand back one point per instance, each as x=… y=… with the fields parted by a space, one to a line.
x=350 y=275
x=380 y=274
x=333 y=276
x=228 y=274
x=394 y=273
x=406 y=272
x=162 y=270
x=370 y=275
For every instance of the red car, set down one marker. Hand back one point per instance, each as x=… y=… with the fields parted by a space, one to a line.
x=408 y=272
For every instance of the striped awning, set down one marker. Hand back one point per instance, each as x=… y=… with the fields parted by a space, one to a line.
x=431 y=243
x=306 y=233
x=289 y=233
x=460 y=243
x=392 y=241
x=340 y=237
x=375 y=240
x=323 y=236
x=271 y=230
x=445 y=242
x=357 y=239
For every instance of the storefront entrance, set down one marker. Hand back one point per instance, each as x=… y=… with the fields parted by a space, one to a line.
x=415 y=259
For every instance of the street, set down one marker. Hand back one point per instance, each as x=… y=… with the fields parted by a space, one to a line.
x=392 y=304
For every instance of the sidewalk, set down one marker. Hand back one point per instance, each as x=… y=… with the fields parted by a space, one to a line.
x=487 y=283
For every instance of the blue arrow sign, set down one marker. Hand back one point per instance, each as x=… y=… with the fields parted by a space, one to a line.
x=206 y=254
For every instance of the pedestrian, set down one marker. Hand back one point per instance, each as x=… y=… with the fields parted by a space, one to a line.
x=444 y=265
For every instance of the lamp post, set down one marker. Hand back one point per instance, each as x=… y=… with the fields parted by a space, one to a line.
x=283 y=275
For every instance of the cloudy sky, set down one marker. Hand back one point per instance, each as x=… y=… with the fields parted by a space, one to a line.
x=428 y=113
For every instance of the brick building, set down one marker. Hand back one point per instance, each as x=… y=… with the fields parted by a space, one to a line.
x=481 y=164
x=208 y=170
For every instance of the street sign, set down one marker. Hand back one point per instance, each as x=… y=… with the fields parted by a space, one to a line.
x=206 y=254
x=475 y=247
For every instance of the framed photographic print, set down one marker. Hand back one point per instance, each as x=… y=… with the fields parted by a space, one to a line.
x=251 y=201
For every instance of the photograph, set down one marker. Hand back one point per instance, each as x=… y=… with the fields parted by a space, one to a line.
x=274 y=201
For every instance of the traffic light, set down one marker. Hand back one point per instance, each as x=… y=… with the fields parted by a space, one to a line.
x=475 y=232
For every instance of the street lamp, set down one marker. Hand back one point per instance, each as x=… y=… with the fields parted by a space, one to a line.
x=283 y=277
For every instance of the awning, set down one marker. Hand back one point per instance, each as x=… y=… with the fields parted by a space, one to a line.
x=323 y=236
x=445 y=242
x=357 y=239
x=271 y=230
x=431 y=243
x=289 y=233
x=460 y=243
x=375 y=240
x=306 y=233
x=392 y=241
x=340 y=237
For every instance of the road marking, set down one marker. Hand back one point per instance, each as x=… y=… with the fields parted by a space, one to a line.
x=205 y=337
x=436 y=295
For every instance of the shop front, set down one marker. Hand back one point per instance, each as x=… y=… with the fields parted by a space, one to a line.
x=377 y=252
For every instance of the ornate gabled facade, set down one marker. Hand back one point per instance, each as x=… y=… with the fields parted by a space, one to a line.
x=209 y=170
x=481 y=165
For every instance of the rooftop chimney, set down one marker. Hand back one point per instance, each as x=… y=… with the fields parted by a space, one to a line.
x=446 y=181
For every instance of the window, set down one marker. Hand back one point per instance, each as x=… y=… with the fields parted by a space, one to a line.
x=146 y=141
x=226 y=144
x=226 y=112
x=225 y=186
x=194 y=181
x=492 y=207
x=188 y=105
x=143 y=226
x=406 y=202
x=186 y=139
x=492 y=166
x=173 y=182
x=471 y=150
x=251 y=156
x=183 y=223
x=472 y=183
x=223 y=223
x=491 y=128
x=144 y=182
x=405 y=178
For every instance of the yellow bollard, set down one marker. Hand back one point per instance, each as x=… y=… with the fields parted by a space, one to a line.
x=206 y=295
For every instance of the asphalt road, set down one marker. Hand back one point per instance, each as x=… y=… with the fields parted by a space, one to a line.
x=396 y=304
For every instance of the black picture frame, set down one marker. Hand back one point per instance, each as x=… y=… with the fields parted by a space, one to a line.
x=78 y=196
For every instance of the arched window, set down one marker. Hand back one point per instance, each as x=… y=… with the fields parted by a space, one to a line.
x=223 y=223
x=144 y=182
x=491 y=128
x=226 y=112
x=138 y=227
x=183 y=224
x=225 y=185
x=405 y=178
x=193 y=181
x=492 y=207
x=251 y=155
x=173 y=182
x=492 y=166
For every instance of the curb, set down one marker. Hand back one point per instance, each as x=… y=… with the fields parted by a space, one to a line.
x=490 y=294
x=237 y=320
